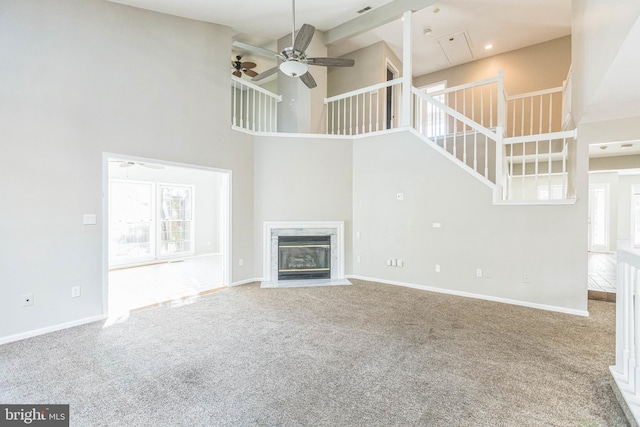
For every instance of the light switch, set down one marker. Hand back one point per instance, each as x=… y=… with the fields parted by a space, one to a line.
x=89 y=219
x=400 y=196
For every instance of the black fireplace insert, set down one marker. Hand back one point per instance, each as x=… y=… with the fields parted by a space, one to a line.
x=304 y=257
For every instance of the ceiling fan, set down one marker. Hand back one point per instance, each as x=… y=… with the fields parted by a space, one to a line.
x=128 y=164
x=240 y=67
x=293 y=60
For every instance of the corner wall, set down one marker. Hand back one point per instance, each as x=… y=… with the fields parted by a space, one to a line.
x=545 y=243
x=302 y=179
x=84 y=77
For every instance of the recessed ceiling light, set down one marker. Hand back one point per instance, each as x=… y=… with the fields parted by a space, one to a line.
x=603 y=147
x=426 y=31
x=488 y=46
x=436 y=10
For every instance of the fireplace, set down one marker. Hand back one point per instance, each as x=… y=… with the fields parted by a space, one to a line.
x=301 y=253
x=304 y=257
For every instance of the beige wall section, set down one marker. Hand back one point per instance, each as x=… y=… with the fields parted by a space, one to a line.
x=370 y=68
x=510 y=241
x=541 y=66
x=614 y=163
x=84 y=77
x=302 y=180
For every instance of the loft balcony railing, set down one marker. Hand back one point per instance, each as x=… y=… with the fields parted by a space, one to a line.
x=521 y=145
x=252 y=107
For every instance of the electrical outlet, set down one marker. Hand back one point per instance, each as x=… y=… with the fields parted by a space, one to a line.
x=437 y=268
x=27 y=300
x=478 y=272
x=394 y=263
x=389 y=262
x=241 y=262
x=399 y=263
x=75 y=291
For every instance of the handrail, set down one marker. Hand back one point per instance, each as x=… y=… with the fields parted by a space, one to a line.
x=535 y=93
x=466 y=86
x=458 y=116
x=364 y=90
x=540 y=137
x=256 y=88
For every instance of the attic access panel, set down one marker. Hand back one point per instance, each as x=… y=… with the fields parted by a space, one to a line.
x=456 y=47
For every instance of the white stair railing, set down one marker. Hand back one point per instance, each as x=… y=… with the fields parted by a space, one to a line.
x=481 y=102
x=252 y=107
x=626 y=371
x=535 y=112
x=537 y=166
x=371 y=109
x=465 y=139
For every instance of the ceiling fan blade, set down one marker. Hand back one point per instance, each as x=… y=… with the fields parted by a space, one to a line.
x=266 y=74
x=308 y=80
x=303 y=39
x=237 y=73
x=250 y=73
x=248 y=65
x=255 y=49
x=331 y=62
x=151 y=166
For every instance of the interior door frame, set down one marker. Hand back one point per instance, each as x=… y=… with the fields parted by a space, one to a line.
x=225 y=211
x=607 y=220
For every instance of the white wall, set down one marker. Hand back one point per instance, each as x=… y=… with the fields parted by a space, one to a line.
x=83 y=77
x=302 y=180
x=548 y=243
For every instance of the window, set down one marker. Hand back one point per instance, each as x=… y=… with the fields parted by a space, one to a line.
x=148 y=221
x=435 y=119
x=131 y=222
x=176 y=219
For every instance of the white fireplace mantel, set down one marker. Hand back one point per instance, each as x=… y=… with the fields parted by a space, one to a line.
x=272 y=230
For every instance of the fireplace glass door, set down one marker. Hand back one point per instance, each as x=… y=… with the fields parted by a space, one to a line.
x=304 y=257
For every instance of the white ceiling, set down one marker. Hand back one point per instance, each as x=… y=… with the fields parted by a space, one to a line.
x=507 y=24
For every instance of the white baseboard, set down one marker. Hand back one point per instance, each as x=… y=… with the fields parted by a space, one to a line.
x=246 y=282
x=476 y=296
x=48 y=329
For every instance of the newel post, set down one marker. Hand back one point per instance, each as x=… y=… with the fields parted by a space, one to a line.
x=407 y=71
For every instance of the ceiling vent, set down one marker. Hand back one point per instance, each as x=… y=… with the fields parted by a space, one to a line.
x=456 y=48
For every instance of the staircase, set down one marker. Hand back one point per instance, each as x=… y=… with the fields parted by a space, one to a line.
x=520 y=146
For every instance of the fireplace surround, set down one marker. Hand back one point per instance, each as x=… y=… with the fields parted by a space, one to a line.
x=319 y=239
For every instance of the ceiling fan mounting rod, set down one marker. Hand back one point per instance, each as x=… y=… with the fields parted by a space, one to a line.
x=293 y=28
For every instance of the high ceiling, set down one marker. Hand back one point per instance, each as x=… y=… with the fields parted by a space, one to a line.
x=507 y=24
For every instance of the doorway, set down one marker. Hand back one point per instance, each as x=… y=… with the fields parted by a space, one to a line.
x=599 y=217
x=167 y=232
x=390 y=97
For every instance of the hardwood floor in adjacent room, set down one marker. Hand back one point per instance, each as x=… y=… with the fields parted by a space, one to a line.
x=137 y=287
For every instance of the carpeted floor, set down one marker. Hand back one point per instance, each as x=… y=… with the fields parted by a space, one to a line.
x=362 y=355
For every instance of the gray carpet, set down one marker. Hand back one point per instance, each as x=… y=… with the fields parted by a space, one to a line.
x=361 y=355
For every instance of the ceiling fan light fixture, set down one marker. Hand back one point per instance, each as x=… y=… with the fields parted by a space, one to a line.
x=293 y=68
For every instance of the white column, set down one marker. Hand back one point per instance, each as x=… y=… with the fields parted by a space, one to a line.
x=406 y=69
